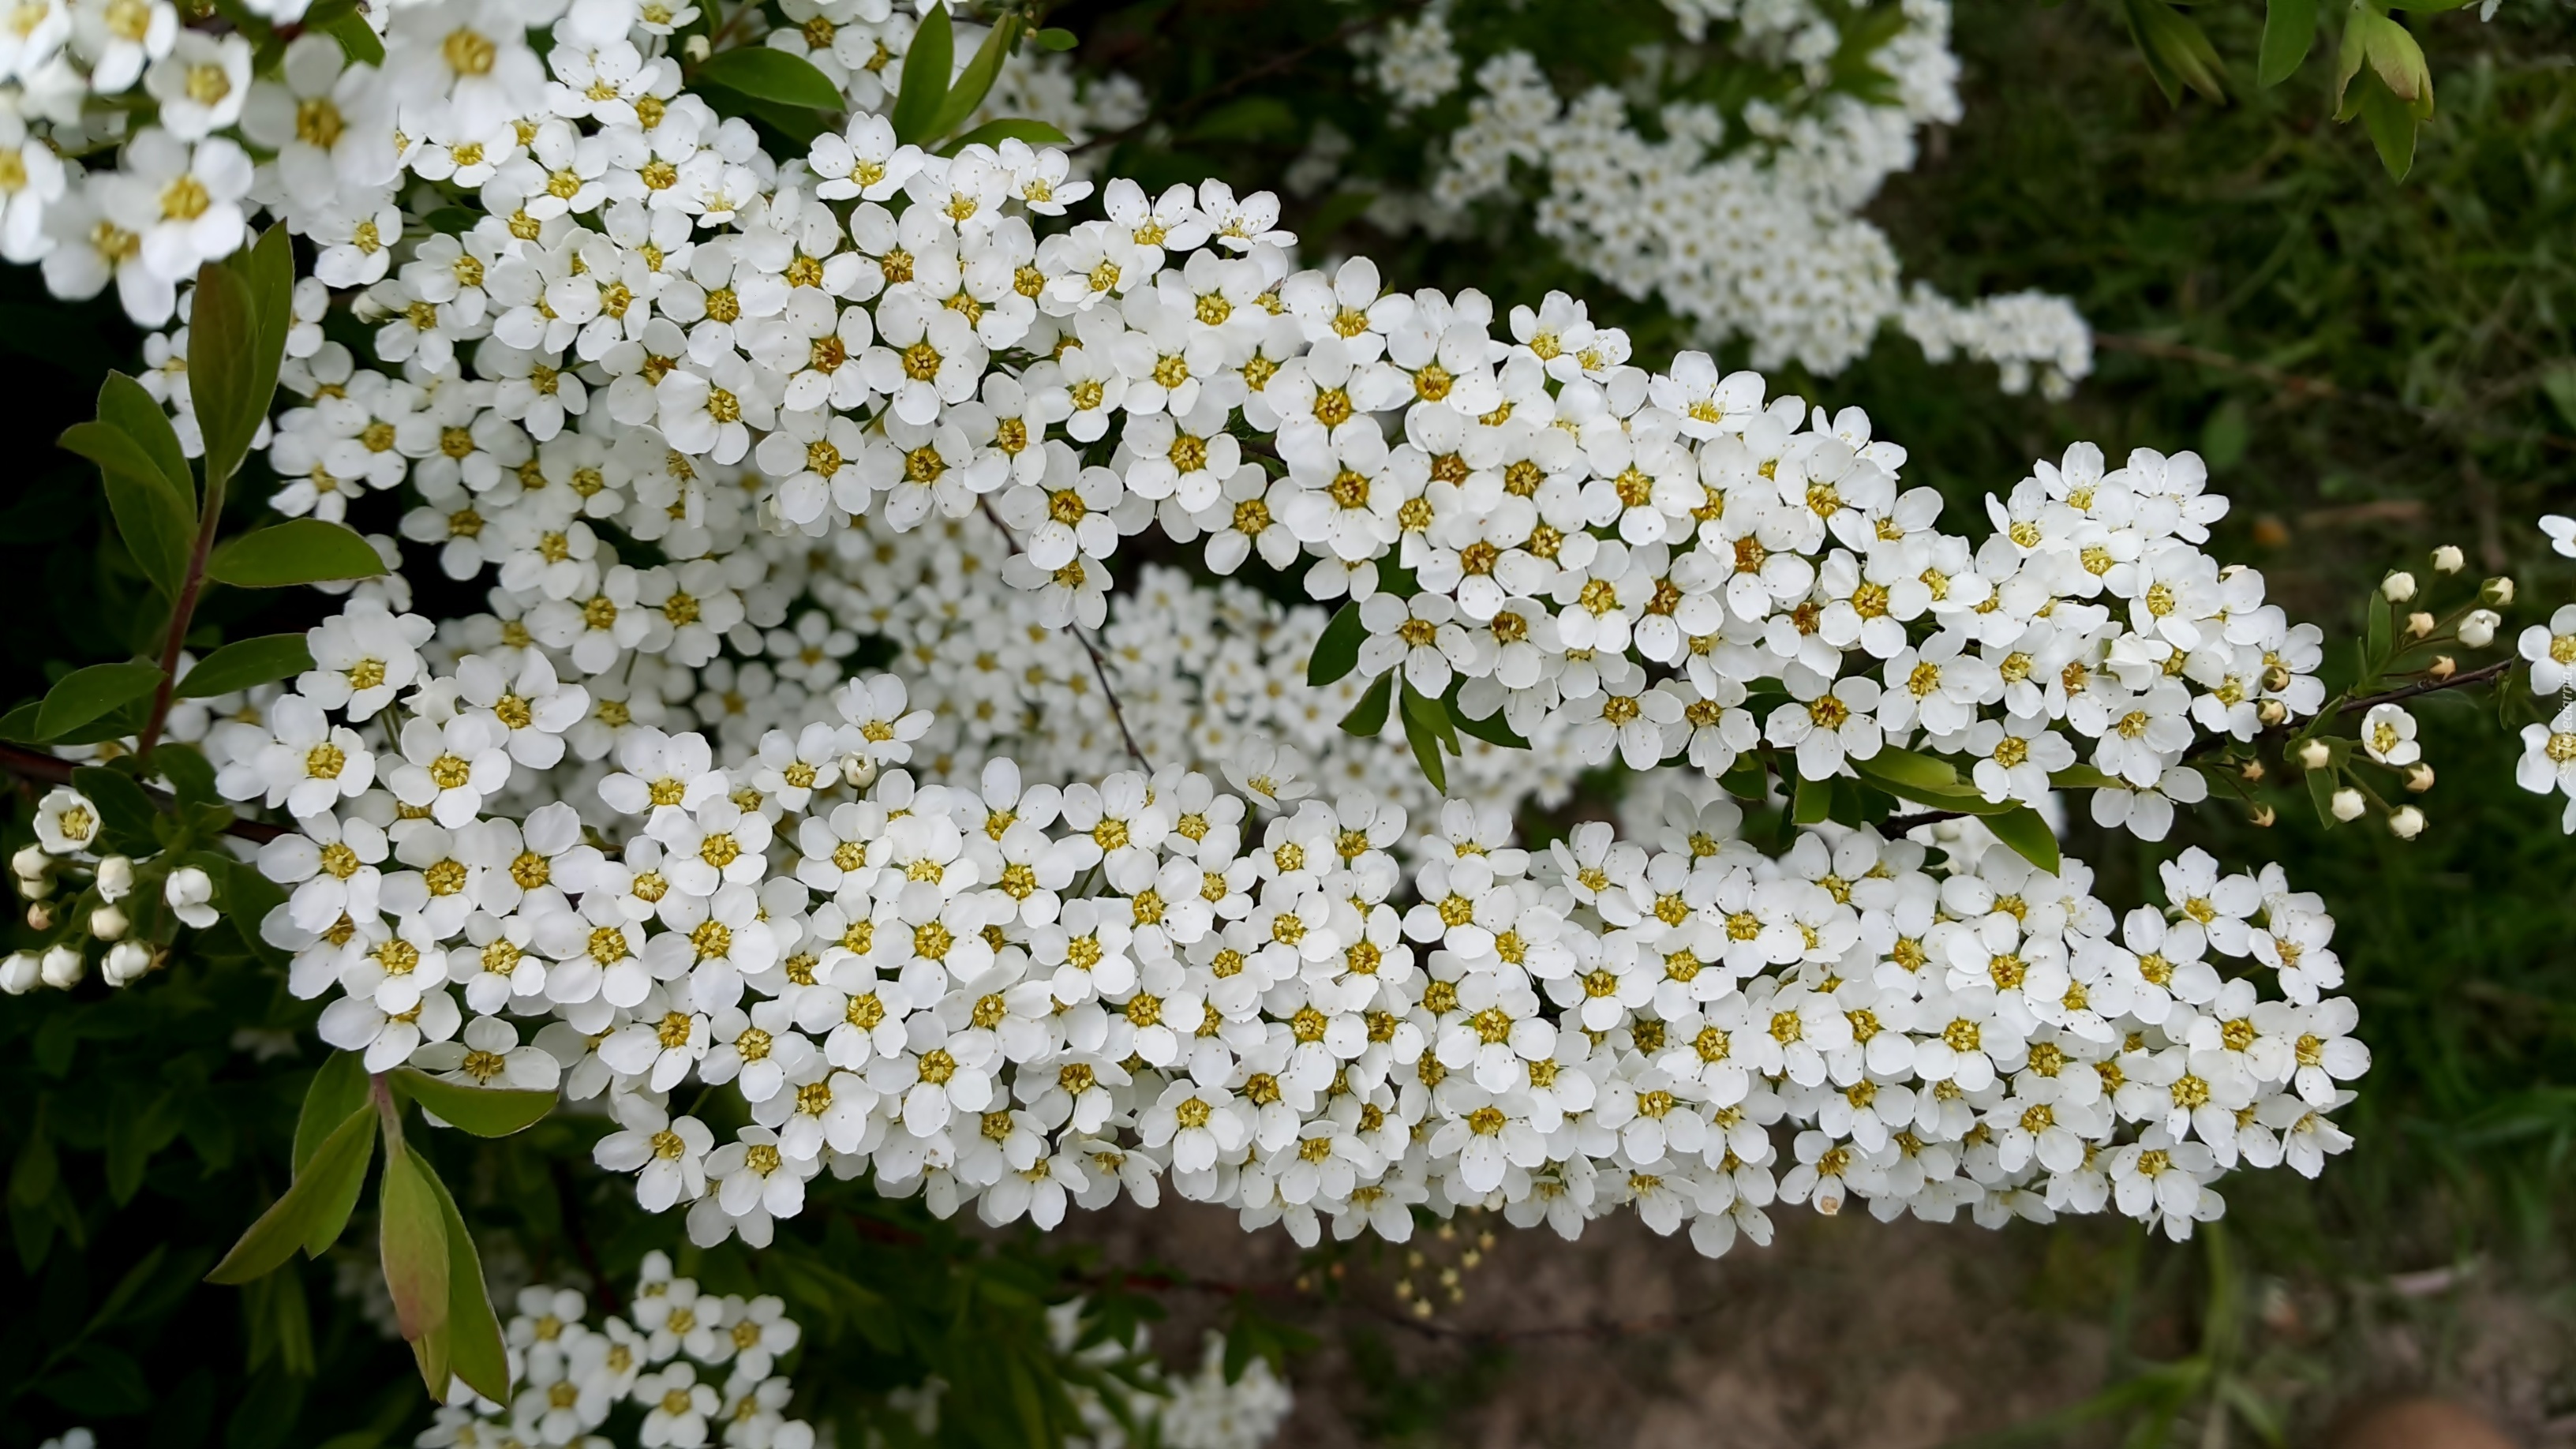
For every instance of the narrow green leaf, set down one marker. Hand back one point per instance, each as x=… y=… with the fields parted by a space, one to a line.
x=414 y=1246
x=2321 y=788
x=474 y=1348
x=1815 y=801
x=246 y=662
x=2289 y=33
x=977 y=79
x=2348 y=58
x=2028 y=835
x=20 y=722
x=2392 y=131
x=926 y=71
x=1423 y=731
x=483 y=1111
x=158 y=528
x=2378 y=628
x=773 y=75
x=294 y=1218
x=124 y=405
x=1337 y=652
x=1911 y=767
x=1054 y=38
x=1369 y=715
x=339 y=1088
x=358 y=40
x=86 y=694
x=994 y=133
x=224 y=368
x=298 y=551
x=1493 y=729
x=2081 y=777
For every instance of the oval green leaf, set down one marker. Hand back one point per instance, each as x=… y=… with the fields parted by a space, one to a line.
x=926 y=69
x=298 y=551
x=246 y=662
x=335 y=1171
x=2029 y=836
x=483 y=1111
x=413 y=1242
x=1337 y=652
x=773 y=75
x=87 y=694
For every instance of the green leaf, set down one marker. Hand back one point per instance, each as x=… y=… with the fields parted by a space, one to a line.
x=773 y=75
x=246 y=662
x=483 y=1111
x=158 y=527
x=124 y=811
x=474 y=1348
x=1423 y=733
x=2391 y=124
x=2321 y=788
x=976 y=80
x=358 y=40
x=1337 y=652
x=1910 y=768
x=298 y=551
x=1253 y=118
x=926 y=69
x=86 y=694
x=2177 y=52
x=2399 y=62
x=184 y=768
x=225 y=369
x=339 y=1088
x=1814 y=802
x=2289 y=33
x=413 y=1242
x=1369 y=715
x=124 y=404
x=2377 y=628
x=247 y=898
x=295 y=1219
x=2082 y=777
x=2028 y=835
x=1054 y=38
x=994 y=133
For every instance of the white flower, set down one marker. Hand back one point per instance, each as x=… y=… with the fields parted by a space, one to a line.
x=2388 y=736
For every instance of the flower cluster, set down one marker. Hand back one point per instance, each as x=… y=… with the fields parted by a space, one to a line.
x=714 y=429
x=1750 y=229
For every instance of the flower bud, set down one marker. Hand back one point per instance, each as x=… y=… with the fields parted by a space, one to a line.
x=18 y=973
x=2252 y=772
x=2420 y=779
x=858 y=771
x=31 y=862
x=2263 y=817
x=40 y=917
x=2347 y=804
x=2478 y=630
x=2406 y=823
x=190 y=893
x=2315 y=756
x=2497 y=592
x=2442 y=667
x=2272 y=713
x=2276 y=677
x=2398 y=587
x=108 y=923
x=61 y=967
x=696 y=48
x=2419 y=625
x=2449 y=560
x=126 y=961
x=115 y=877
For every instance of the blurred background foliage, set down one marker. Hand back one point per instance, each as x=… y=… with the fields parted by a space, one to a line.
x=2369 y=367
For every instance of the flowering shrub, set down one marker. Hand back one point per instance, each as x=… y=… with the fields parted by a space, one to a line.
x=788 y=422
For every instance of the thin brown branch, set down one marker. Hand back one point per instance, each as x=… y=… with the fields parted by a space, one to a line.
x=40 y=768
x=1099 y=665
x=2479 y=675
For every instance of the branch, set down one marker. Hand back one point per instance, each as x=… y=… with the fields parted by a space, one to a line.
x=183 y=609
x=2479 y=675
x=44 y=769
x=1099 y=666
x=1896 y=825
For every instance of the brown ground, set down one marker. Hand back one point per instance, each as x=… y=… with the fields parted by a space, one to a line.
x=1846 y=1332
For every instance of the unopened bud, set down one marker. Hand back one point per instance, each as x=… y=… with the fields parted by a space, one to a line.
x=2478 y=630
x=696 y=48
x=2272 y=713
x=115 y=877
x=61 y=967
x=126 y=961
x=2315 y=756
x=18 y=973
x=2263 y=816
x=2420 y=779
x=2347 y=804
x=2449 y=560
x=2419 y=625
x=40 y=917
x=2398 y=587
x=2496 y=592
x=2406 y=822
x=2252 y=772
x=2276 y=678
x=858 y=771
x=2442 y=667
x=31 y=863
x=108 y=923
